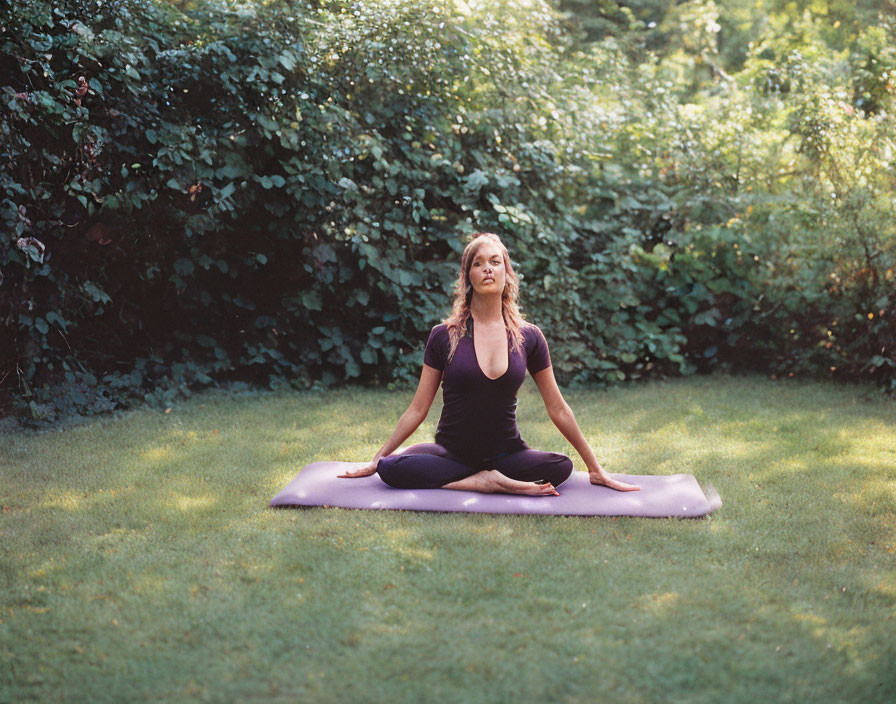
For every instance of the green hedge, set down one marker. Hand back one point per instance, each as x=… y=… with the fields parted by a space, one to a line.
x=278 y=194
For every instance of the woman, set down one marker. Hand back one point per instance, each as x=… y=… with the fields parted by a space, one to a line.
x=480 y=355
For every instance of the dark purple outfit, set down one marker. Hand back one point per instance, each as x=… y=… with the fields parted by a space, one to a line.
x=477 y=429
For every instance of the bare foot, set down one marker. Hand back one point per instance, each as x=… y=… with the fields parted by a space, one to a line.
x=491 y=481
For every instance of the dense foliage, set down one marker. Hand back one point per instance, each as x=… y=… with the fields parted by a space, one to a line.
x=204 y=192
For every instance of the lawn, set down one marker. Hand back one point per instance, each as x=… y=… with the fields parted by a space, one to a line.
x=139 y=559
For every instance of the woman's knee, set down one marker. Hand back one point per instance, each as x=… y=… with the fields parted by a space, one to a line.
x=428 y=448
x=419 y=471
x=558 y=469
x=389 y=469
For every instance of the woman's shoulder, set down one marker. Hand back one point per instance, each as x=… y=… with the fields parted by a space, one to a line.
x=531 y=331
x=533 y=337
x=435 y=354
x=438 y=334
x=537 y=355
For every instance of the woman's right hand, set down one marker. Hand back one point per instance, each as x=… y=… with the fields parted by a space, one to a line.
x=364 y=471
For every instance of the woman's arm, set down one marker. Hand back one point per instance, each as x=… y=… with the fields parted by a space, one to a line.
x=562 y=416
x=410 y=420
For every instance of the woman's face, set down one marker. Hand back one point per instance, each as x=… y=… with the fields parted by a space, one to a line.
x=487 y=274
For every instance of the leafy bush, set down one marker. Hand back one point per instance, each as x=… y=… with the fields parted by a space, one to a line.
x=211 y=192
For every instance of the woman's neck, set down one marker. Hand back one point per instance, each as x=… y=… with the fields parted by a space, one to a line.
x=487 y=309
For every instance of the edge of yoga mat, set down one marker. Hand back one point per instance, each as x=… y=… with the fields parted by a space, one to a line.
x=661 y=496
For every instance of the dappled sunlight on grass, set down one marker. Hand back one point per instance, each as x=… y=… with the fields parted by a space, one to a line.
x=416 y=555
x=489 y=531
x=811 y=619
x=849 y=642
x=45 y=569
x=886 y=586
x=82 y=501
x=68 y=500
x=158 y=454
x=149 y=585
x=116 y=537
x=657 y=602
x=190 y=503
x=160 y=524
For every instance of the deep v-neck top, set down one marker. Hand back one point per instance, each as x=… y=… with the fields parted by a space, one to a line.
x=472 y=333
x=478 y=418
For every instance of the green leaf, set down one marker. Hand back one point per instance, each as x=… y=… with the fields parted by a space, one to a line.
x=267 y=122
x=95 y=292
x=475 y=181
x=287 y=60
x=54 y=317
x=352 y=369
x=244 y=303
x=707 y=317
x=312 y=301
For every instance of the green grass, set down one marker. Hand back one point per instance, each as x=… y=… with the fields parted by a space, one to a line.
x=139 y=560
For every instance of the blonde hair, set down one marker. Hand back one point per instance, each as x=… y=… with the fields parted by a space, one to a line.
x=463 y=294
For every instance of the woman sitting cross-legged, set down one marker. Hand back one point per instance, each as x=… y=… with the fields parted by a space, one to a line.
x=480 y=355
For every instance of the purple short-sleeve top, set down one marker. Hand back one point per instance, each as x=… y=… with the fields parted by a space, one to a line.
x=478 y=418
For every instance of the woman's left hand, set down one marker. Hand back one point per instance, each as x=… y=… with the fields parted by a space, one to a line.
x=604 y=479
x=365 y=471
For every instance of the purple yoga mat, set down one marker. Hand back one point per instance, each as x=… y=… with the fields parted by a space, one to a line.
x=678 y=495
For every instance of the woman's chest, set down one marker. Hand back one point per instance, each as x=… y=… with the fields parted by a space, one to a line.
x=491 y=350
x=466 y=369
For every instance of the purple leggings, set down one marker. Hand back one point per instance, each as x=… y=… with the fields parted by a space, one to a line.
x=429 y=466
